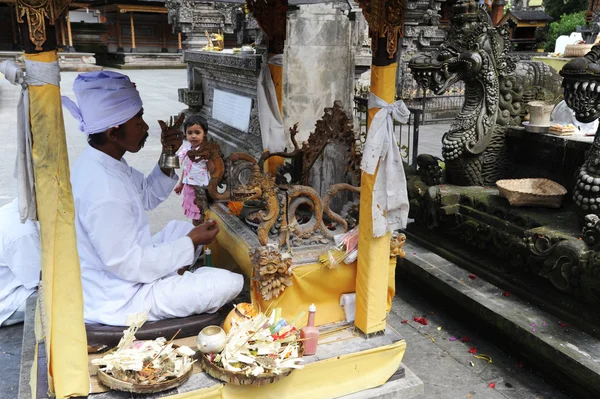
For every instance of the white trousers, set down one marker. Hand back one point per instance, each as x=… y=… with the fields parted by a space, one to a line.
x=204 y=291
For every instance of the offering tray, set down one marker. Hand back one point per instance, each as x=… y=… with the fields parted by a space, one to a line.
x=114 y=383
x=239 y=378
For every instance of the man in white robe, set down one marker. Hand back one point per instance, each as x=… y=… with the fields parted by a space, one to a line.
x=19 y=263
x=124 y=268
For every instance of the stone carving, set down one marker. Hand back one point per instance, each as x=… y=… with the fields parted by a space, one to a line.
x=582 y=94
x=333 y=127
x=189 y=16
x=591 y=230
x=272 y=271
x=477 y=53
x=397 y=241
x=476 y=217
x=431 y=17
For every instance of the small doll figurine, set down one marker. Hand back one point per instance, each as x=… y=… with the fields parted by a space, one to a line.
x=194 y=176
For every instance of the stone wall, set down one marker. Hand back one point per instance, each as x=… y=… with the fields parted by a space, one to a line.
x=234 y=74
x=318 y=64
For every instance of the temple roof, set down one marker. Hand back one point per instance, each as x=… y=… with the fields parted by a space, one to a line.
x=529 y=15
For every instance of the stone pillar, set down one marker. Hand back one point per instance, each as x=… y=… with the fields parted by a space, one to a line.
x=318 y=65
x=497 y=11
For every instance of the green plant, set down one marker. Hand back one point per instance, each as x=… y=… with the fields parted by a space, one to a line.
x=568 y=23
x=556 y=8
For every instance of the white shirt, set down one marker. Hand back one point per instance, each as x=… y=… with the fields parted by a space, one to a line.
x=194 y=173
x=118 y=255
x=19 y=259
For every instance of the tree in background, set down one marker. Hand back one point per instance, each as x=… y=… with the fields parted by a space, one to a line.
x=556 y=8
x=567 y=24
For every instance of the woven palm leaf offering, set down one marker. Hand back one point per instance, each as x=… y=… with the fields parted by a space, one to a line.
x=144 y=366
x=258 y=351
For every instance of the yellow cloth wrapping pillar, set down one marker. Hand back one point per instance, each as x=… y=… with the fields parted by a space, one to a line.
x=329 y=378
x=273 y=163
x=65 y=338
x=373 y=287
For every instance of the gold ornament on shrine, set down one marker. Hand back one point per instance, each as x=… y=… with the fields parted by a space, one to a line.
x=386 y=19
x=35 y=13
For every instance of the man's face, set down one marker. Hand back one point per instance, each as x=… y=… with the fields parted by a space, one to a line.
x=133 y=133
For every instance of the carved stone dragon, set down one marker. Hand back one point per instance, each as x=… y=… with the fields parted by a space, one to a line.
x=475 y=52
x=581 y=82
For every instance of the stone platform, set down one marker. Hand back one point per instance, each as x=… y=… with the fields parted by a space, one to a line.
x=122 y=60
x=69 y=62
x=539 y=253
x=403 y=384
x=560 y=349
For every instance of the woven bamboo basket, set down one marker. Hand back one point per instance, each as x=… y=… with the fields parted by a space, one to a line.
x=237 y=378
x=532 y=192
x=577 y=50
x=119 y=385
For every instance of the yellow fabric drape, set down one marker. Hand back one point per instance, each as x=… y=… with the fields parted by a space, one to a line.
x=65 y=337
x=273 y=163
x=373 y=273
x=330 y=378
x=311 y=283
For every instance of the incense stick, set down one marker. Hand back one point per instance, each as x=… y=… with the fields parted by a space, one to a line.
x=163 y=348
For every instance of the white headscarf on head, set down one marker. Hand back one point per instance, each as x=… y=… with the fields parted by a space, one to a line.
x=106 y=99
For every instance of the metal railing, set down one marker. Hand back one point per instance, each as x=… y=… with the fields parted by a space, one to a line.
x=437 y=108
x=407 y=135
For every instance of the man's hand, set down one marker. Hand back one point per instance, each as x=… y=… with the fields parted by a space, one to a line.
x=178 y=188
x=205 y=233
x=171 y=136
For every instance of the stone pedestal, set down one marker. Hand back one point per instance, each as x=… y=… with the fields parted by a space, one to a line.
x=236 y=74
x=318 y=64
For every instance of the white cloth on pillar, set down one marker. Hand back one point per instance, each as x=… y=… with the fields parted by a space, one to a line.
x=38 y=74
x=390 y=195
x=19 y=260
x=269 y=117
x=122 y=264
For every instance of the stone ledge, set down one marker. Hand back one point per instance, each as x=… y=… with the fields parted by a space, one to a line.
x=565 y=353
x=122 y=60
x=69 y=62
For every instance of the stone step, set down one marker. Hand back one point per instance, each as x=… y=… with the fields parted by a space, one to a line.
x=561 y=350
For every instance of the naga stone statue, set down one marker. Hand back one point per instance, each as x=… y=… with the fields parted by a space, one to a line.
x=496 y=87
x=581 y=83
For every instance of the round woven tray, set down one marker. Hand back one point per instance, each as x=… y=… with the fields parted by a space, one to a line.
x=119 y=385
x=532 y=192
x=237 y=378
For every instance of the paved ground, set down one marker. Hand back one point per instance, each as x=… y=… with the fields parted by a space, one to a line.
x=443 y=365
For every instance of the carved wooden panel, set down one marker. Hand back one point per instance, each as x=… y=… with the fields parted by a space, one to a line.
x=35 y=13
x=386 y=19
